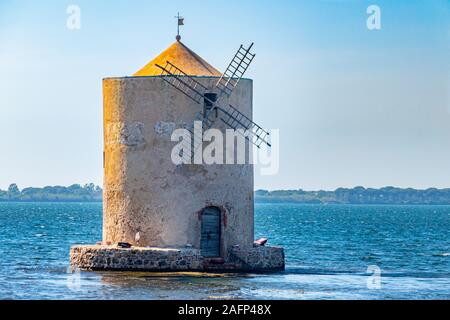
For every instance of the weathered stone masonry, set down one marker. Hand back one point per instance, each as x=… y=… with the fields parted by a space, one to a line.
x=178 y=218
x=255 y=259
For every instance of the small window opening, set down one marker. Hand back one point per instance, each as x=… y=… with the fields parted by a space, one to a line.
x=209 y=98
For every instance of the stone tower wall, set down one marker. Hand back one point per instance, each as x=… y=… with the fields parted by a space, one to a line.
x=145 y=192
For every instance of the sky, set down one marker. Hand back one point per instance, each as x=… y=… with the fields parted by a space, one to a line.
x=355 y=107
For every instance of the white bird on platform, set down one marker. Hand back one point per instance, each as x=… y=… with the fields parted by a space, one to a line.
x=137 y=237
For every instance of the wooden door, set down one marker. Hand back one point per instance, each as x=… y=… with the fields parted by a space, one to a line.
x=210 y=237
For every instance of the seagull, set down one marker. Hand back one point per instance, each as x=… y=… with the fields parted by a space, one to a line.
x=137 y=237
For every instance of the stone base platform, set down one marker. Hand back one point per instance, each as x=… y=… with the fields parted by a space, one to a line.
x=112 y=258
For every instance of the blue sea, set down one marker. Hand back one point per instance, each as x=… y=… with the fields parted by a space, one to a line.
x=332 y=252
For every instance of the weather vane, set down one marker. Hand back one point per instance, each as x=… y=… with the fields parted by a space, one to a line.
x=180 y=23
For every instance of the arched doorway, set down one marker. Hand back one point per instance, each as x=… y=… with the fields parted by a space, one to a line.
x=210 y=232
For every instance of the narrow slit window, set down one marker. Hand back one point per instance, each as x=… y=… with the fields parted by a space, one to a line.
x=207 y=103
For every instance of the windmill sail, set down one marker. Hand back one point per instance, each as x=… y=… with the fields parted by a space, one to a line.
x=236 y=120
x=230 y=116
x=235 y=70
x=182 y=82
x=196 y=137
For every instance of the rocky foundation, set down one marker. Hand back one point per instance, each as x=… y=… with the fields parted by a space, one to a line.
x=112 y=258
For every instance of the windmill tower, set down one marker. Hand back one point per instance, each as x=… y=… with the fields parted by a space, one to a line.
x=205 y=209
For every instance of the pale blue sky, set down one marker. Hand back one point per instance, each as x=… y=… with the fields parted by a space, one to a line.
x=354 y=107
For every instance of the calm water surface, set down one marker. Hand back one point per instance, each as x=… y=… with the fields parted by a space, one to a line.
x=328 y=252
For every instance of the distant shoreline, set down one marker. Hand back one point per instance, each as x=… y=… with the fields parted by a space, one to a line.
x=352 y=204
x=358 y=195
x=256 y=202
x=50 y=201
x=91 y=193
x=74 y=193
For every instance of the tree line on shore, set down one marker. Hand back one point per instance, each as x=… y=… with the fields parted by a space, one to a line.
x=74 y=193
x=358 y=195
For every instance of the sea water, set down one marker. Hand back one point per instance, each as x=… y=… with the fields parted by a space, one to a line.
x=332 y=252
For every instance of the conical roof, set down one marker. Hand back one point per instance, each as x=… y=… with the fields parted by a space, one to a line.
x=184 y=58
